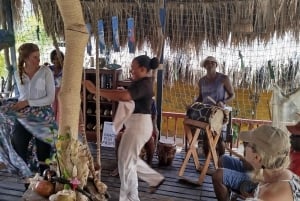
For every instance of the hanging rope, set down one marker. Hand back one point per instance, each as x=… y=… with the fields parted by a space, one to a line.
x=98 y=134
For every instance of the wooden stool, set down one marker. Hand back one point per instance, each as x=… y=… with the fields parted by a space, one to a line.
x=212 y=137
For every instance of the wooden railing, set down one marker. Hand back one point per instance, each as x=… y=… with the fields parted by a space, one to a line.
x=175 y=129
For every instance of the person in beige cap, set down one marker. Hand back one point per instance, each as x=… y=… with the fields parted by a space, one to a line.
x=268 y=151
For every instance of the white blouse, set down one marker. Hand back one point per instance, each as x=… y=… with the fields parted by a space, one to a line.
x=39 y=90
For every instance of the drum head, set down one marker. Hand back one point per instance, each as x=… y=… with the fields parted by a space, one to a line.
x=163 y=140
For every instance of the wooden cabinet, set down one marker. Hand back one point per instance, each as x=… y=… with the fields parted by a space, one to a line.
x=109 y=80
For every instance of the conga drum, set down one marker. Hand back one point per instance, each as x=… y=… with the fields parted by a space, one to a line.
x=215 y=116
x=166 y=150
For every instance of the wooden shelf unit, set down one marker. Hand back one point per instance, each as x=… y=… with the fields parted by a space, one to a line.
x=109 y=80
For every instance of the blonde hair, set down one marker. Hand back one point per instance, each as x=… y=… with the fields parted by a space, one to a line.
x=24 y=52
x=270 y=161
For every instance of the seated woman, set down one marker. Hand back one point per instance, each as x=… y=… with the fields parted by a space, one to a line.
x=268 y=150
x=36 y=94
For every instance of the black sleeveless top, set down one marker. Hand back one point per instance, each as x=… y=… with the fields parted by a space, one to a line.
x=141 y=92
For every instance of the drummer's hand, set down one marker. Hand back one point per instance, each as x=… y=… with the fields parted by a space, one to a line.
x=20 y=105
x=187 y=106
x=221 y=104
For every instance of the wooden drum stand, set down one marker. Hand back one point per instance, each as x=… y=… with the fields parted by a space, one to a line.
x=212 y=136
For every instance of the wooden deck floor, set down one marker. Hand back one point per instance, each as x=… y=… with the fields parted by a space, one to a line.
x=173 y=189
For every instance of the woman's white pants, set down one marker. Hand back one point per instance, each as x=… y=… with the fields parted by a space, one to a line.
x=138 y=131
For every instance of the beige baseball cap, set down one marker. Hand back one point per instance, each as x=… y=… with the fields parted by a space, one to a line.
x=209 y=58
x=268 y=138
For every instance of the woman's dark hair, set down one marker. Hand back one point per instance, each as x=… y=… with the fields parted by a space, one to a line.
x=24 y=52
x=145 y=61
x=54 y=53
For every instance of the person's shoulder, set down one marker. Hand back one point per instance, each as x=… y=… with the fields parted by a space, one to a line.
x=280 y=190
x=51 y=67
x=144 y=80
x=223 y=76
x=45 y=69
x=202 y=78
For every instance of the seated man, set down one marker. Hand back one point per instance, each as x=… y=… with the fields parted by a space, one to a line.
x=232 y=175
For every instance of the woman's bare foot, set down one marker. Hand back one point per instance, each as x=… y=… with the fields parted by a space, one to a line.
x=90 y=86
x=152 y=189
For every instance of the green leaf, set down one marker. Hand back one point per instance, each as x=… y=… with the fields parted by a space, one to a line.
x=67 y=187
x=48 y=161
x=66 y=175
x=49 y=140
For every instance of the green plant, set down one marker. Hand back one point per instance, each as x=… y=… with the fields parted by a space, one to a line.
x=235 y=131
x=34 y=32
x=3 y=71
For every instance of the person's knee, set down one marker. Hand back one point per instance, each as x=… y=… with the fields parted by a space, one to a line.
x=217 y=177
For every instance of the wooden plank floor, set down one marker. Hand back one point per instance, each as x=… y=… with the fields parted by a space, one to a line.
x=173 y=189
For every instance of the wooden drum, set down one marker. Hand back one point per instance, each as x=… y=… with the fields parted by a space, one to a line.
x=166 y=150
x=213 y=115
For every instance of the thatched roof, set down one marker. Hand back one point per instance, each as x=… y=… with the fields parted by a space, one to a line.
x=16 y=11
x=189 y=23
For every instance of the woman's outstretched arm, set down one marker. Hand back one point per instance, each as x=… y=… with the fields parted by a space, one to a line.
x=111 y=94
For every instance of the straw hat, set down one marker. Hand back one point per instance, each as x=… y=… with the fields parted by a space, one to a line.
x=270 y=139
x=209 y=58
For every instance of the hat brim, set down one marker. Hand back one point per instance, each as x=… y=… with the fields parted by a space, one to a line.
x=204 y=60
x=246 y=136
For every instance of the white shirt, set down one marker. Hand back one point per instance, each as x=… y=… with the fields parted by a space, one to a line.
x=39 y=90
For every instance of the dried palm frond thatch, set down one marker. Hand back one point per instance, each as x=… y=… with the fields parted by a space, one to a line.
x=189 y=23
x=16 y=8
x=145 y=14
